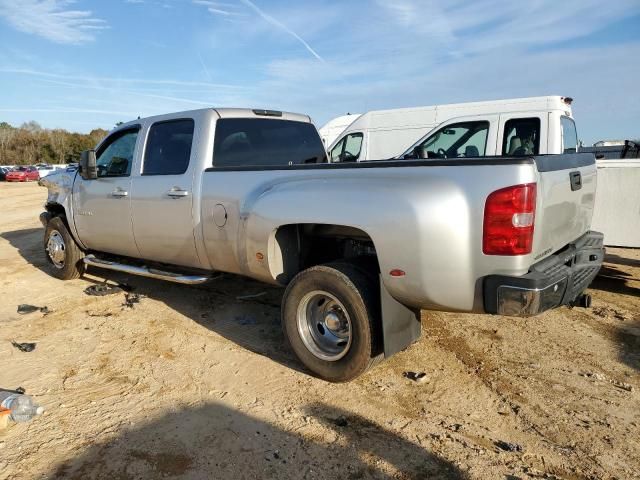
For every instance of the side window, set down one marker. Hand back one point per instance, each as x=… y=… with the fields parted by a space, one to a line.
x=348 y=149
x=168 y=147
x=256 y=142
x=569 y=135
x=337 y=151
x=459 y=140
x=521 y=137
x=115 y=156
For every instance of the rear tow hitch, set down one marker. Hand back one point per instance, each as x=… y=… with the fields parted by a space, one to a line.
x=583 y=301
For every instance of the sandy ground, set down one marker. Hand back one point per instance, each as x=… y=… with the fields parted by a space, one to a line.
x=194 y=383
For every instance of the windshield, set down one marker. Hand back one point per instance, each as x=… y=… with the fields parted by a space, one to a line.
x=460 y=140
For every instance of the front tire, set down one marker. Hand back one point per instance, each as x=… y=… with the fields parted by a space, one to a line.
x=63 y=253
x=330 y=316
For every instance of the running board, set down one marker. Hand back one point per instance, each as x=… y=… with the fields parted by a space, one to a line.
x=93 y=261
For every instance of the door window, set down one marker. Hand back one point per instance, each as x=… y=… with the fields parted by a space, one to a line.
x=459 y=140
x=115 y=155
x=521 y=137
x=168 y=147
x=569 y=135
x=348 y=149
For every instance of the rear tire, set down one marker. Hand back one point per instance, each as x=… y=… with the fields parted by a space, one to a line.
x=63 y=253
x=331 y=318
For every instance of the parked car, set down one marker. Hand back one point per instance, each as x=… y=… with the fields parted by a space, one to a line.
x=23 y=174
x=3 y=172
x=527 y=126
x=360 y=247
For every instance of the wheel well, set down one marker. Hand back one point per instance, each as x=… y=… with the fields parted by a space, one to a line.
x=56 y=210
x=295 y=247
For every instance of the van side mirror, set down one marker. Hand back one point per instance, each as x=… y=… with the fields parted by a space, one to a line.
x=87 y=167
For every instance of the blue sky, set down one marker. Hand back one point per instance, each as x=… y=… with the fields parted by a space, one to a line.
x=90 y=63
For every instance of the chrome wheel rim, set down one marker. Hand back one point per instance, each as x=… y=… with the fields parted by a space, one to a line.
x=324 y=325
x=56 y=249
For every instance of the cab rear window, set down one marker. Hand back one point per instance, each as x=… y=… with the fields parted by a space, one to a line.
x=241 y=142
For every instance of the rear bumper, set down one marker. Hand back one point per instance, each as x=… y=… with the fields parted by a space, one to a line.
x=556 y=280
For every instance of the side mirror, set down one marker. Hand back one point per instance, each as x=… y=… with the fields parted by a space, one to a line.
x=87 y=167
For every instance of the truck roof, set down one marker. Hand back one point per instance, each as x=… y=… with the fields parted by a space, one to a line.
x=223 y=113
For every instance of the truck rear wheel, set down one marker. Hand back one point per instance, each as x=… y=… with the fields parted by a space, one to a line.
x=63 y=253
x=330 y=316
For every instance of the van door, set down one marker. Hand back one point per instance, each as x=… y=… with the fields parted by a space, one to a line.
x=162 y=198
x=102 y=206
x=522 y=134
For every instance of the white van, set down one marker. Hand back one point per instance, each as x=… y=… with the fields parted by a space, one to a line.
x=521 y=126
x=333 y=128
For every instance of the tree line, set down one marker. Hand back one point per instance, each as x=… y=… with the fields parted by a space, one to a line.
x=29 y=144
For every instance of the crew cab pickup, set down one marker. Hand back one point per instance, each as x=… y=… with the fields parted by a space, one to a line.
x=360 y=247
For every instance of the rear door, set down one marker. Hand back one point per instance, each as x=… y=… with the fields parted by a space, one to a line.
x=162 y=194
x=521 y=134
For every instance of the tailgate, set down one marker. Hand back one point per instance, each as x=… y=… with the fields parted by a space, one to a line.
x=565 y=200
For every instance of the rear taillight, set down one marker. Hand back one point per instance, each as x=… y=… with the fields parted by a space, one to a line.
x=509 y=216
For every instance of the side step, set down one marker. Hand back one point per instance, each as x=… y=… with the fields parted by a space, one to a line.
x=93 y=261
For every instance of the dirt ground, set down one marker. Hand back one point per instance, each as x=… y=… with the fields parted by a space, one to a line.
x=193 y=382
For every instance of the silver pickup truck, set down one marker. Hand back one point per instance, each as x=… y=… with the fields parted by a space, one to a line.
x=360 y=247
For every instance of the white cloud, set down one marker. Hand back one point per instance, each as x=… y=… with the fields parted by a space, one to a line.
x=52 y=19
x=278 y=24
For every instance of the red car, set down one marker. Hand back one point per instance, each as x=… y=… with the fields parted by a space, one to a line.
x=23 y=174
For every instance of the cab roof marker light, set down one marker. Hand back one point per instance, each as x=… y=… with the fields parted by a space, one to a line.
x=267 y=113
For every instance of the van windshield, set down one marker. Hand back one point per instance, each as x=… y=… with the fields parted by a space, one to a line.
x=459 y=140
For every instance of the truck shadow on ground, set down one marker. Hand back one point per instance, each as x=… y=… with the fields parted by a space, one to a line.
x=29 y=243
x=612 y=279
x=240 y=309
x=216 y=441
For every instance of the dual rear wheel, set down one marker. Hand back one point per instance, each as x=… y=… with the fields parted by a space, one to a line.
x=330 y=316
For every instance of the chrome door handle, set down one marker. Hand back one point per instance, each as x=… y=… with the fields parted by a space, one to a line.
x=175 y=193
x=119 y=193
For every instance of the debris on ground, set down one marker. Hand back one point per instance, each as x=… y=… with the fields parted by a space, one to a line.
x=419 y=377
x=102 y=289
x=622 y=385
x=24 y=347
x=130 y=299
x=253 y=295
x=126 y=287
x=25 y=308
x=594 y=375
x=507 y=446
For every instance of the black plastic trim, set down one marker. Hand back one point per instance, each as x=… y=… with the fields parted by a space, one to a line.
x=475 y=162
x=566 y=161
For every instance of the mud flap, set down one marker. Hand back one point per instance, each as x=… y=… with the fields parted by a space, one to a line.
x=400 y=325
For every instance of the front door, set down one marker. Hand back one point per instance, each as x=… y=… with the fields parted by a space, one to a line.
x=102 y=206
x=162 y=201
